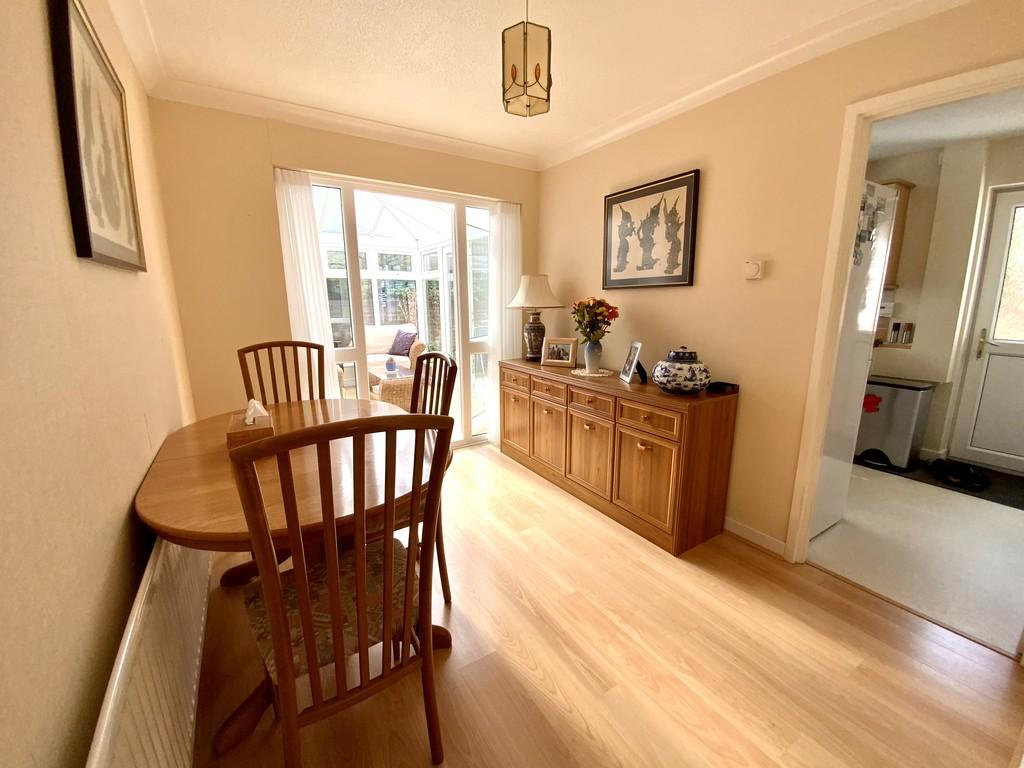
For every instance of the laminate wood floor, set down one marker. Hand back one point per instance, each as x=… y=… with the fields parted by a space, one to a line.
x=577 y=643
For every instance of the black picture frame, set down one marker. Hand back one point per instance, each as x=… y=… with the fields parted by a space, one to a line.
x=628 y=254
x=92 y=116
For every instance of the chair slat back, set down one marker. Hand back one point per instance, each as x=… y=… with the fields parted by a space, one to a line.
x=433 y=383
x=284 y=371
x=255 y=463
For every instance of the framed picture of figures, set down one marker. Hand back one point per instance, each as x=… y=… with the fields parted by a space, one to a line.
x=93 y=124
x=650 y=232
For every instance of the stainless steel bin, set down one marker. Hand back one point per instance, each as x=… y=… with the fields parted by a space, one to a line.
x=894 y=417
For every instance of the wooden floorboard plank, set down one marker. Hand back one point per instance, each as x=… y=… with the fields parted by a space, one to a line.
x=578 y=643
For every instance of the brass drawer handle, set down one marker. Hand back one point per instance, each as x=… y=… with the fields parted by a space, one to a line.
x=590 y=401
x=587 y=427
x=642 y=446
x=514 y=399
x=547 y=411
x=645 y=417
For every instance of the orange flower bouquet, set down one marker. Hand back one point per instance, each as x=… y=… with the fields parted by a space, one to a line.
x=592 y=317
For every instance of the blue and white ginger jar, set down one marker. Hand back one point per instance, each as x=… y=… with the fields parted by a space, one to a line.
x=681 y=373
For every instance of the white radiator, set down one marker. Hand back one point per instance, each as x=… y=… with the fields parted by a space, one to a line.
x=149 y=712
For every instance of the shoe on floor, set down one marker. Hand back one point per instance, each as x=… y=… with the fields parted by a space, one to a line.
x=956 y=474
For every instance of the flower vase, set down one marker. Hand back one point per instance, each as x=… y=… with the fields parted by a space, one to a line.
x=592 y=356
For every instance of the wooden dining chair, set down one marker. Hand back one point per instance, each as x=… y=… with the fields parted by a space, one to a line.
x=433 y=385
x=336 y=603
x=281 y=369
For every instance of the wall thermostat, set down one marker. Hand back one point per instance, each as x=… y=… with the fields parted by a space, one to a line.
x=753 y=269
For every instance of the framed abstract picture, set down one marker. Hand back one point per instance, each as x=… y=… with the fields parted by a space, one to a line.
x=650 y=233
x=93 y=123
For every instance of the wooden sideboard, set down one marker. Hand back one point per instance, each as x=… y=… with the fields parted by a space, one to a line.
x=654 y=462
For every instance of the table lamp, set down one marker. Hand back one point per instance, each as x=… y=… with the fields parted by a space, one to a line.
x=534 y=295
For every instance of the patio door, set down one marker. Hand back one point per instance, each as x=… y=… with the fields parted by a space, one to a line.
x=415 y=262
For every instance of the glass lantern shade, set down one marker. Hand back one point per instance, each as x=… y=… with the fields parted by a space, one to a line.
x=526 y=65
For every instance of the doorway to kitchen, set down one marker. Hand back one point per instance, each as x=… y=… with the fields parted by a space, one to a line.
x=917 y=495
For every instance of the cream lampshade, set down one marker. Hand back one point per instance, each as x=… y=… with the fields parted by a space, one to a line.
x=534 y=294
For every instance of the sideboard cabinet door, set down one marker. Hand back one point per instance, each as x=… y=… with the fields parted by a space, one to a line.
x=515 y=419
x=591 y=442
x=548 y=435
x=645 y=481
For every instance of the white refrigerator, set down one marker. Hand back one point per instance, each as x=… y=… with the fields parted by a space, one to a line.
x=856 y=344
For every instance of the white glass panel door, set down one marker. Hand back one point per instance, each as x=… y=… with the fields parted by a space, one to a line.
x=990 y=420
x=422 y=264
x=478 y=266
x=411 y=274
x=327 y=203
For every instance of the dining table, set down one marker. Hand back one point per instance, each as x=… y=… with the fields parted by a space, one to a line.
x=189 y=497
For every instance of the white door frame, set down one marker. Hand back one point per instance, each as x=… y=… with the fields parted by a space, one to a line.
x=853 y=158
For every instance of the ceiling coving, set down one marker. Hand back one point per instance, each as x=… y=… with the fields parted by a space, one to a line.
x=422 y=72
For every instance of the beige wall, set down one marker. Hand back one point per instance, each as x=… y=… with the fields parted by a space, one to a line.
x=1006 y=161
x=768 y=157
x=92 y=381
x=217 y=178
x=957 y=217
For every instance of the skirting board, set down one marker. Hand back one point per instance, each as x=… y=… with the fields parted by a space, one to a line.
x=928 y=454
x=754 y=536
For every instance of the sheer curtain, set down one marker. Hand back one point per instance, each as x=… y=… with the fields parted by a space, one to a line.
x=506 y=324
x=304 y=269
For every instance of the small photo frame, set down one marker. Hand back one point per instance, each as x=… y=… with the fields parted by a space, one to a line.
x=559 y=351
x=632 y=358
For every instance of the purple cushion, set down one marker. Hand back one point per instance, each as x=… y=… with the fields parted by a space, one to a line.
x=402 y=343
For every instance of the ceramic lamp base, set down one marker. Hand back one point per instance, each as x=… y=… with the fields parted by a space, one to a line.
x=533 y=335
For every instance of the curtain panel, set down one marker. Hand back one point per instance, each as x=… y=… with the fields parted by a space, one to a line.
x=305 y=281
x=506 y=269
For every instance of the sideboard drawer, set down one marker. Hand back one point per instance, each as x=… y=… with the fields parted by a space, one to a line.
x=548 y=389
x=654 y=420
x=592 y=402
x=515 y=379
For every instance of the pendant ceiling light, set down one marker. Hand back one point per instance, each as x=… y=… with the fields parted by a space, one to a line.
x=526 y=68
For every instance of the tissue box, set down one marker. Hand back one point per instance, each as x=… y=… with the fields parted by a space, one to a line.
x=240 y=433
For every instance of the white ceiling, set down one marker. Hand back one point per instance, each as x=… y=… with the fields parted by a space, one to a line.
x=427 y=72
x=991 y=116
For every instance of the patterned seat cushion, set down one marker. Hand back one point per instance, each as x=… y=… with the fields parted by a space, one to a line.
x=395 y=391
x=321 y=602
